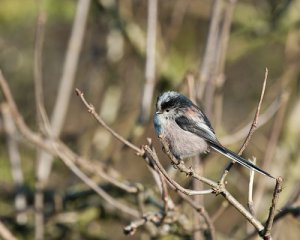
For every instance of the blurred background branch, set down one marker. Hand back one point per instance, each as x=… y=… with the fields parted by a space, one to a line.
x=213 y=51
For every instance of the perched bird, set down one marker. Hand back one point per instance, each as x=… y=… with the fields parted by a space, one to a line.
x=188 y=131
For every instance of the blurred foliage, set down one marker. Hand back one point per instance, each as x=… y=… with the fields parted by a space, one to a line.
x=111 y=73
x=20 y=12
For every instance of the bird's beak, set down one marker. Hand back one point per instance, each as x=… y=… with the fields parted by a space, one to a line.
x=158 y=112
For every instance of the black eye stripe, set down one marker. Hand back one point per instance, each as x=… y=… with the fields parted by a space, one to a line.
x=179 y=101
x=169 y=104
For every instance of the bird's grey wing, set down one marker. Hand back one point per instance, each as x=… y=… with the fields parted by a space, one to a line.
x=197 y=126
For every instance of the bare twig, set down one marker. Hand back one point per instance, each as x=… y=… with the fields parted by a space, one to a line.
x=66 y=83
x=287 y=209
x=53 y=147
x=219 y=188
x=219 y=74
x=252 y=129
x=150 y=154
x=180 y=165
x=160 y=181
x=69 y=69
x=150 y=217
x=42 y=118
x=223 y=39
x=250 y=189
x=199 y=199
x=270 y=149
x=93 y=185
x=208 y=61
x=272 y=211
x=255 y=120
x=150 y=62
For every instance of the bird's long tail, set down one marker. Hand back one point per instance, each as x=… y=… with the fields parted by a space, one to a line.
x=233 y=156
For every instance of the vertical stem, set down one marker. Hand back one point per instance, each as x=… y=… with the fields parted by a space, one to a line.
x=270 y=150
x=66 y=82
x=150 y=62
x=62 y=100
x=41 y=114
x=197 y=185
x=209 y=54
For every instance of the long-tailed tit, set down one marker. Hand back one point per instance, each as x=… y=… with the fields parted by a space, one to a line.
x=188 y=131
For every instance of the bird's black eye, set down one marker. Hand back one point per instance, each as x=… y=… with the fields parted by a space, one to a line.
x=167 y=110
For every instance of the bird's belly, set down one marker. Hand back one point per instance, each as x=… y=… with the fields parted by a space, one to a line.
x=185 y=144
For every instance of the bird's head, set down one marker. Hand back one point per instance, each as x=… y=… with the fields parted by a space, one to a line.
x=170 y=103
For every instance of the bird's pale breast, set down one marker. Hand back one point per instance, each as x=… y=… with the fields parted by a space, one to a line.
x=183 y=143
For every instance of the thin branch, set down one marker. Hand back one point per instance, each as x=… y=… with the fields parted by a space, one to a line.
x=287 y=209
x=209 y=55
x=146 y=150
x=150 y=62
x=70 y=66
x=223 y=39
x=250 y=189
x=219 y=188
x=160 y=180
x=42 y=118
x=150 y=217
x=93 y=185
x=66 y=82
x=53 y=147
x=39 y=141
x=271 y=148
x=157 y=176
x=269 y=223
x=252 y=129
x=255 y=120
x=180 y=165
x=219 y=74
x=151 y=155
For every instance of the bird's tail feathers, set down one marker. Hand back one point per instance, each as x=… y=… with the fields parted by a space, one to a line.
x=233 y=156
